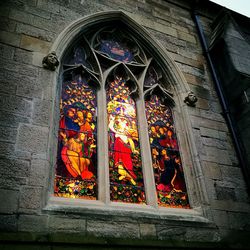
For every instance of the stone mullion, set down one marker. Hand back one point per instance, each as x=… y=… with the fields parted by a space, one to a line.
x=103 y=159
x=148 y=175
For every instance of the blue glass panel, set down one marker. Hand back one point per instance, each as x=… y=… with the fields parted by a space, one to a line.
x=116 y=50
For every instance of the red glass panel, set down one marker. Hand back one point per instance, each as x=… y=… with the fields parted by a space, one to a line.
x=76 y=169
x=167 y=165
x=125 y=168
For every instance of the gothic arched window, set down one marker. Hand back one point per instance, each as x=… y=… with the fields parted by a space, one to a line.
x=113 y=94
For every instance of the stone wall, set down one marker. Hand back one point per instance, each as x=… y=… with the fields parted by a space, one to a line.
x=28 y=31
x=233 y=68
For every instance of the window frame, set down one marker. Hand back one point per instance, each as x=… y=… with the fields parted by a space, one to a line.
x=192 y=167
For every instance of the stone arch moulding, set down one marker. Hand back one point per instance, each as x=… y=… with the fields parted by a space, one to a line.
x=197 y=187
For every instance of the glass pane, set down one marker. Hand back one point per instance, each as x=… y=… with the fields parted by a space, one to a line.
x=76 y=169
x=125 y=168
x=116 y=50
x=167 y=165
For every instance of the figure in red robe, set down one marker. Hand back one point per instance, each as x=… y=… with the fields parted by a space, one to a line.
x=123 y=149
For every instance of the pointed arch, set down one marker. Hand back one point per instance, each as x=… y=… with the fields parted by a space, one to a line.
x=170 y=69
x=73 y=31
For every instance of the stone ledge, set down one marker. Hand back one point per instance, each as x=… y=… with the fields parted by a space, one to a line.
x=146 y=214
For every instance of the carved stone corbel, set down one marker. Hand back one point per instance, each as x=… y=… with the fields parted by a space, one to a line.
x=50 y=61
x=191 y=99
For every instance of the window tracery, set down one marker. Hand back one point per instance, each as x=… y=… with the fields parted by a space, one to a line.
x=112 y=61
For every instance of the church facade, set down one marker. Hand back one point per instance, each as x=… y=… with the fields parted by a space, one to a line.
x=124 y=125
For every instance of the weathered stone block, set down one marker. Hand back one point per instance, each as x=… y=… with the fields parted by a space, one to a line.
x=38 y=12
x=187 y=61
x=233 y=175
x=180 y=27
x=213 y=142
x=48 y=6
x=34 y=44
x=153 y=25
x=8 y=134
x=208 y=123
x=23 y=56
x=29 y=88
x=7 y=149
x=70 y=14
x=21 y=17
x=161 y=12
x=202 y=235
x=220 y=218
x=113 y=229
x=198 y=141
x=229 y=205
x=14 y=172
x=15 y=104
x=67 y=224
x=11 y=167
x=212 y=170
x=13 y=182
x=212 y=116
x=12 y=120
x=203 y=104
x=32 y=138
x=30 y=197
x=10 y=38
x=7 y=88
x=196 y=72
x=200 y=91
x=33 y=223
x=191 y=79
x=147 y=230
x=170 y=232
x=41 y=112
x=217 y=155
x=38 y=172
x=225 y=193
x=186 y=37
x=35 y=32
x=8 y=223
x=6 y=51
x=9 y=200
x=207 y=132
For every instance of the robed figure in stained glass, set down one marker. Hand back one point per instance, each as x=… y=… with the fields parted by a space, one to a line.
x=76 y=163
x=166 y=161
x=124 y=149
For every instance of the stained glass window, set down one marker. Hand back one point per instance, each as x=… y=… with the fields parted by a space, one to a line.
x=167 y=165
x=125 y=168
x=76 y=171
x=110 y=62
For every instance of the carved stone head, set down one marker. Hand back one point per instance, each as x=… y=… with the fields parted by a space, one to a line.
x=50 y=61
x=191 y=99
